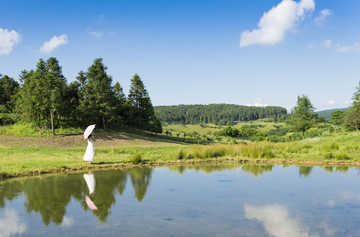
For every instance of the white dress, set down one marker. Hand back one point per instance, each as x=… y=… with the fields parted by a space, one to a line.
x=90 y=151
x=90 y=181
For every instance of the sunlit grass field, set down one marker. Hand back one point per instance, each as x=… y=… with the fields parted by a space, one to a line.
x=180 y=129
x=42 y=154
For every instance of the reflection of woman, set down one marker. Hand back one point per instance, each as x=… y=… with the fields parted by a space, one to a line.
x=90 y=150
x=90 y=181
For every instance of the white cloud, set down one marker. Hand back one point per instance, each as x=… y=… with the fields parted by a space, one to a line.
x=67 y=221
x=97 y=35
x=328 y=230
x=53 y=43
x=349 y=102
x=310 y=45
x=11 y=224
x=331 y=102
x=276 y=220
x=321 y=19
x=259 y=103
x=276 y=22
x=7 y=40
x=347 y=49
x=327 y=43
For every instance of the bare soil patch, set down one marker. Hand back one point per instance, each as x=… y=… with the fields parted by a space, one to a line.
x=118 y=139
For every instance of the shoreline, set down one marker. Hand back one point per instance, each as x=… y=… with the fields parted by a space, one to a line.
x=100 y=166
x=29 y=156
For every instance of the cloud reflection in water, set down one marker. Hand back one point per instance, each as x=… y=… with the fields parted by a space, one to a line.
x=276 y=220
x=11 y=224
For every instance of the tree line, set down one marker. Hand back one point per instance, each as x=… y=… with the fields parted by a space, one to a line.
x=220 y=114
x=44 y=98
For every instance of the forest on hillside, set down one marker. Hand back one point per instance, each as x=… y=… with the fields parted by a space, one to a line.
x=220 y=114
x=44 y=98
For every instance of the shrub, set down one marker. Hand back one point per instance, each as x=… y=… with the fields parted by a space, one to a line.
x=180 y=155
x=329 y=156
x=137 y=158
x=342 y=157
x=334 y=146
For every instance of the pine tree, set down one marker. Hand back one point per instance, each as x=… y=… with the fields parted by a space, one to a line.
x=99 y=93
x=352 y=116
x=121 y=105
x=56 y=85
x=142 y=111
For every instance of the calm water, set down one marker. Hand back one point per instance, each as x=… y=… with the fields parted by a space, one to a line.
x=207 y=200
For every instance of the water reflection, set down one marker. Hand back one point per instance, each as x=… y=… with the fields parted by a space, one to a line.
x=10 y=224
x=206 y=168
x=257 y=170
x=50 y=195
x=90 y=181
x=254 y=169
x=96 y=193
x=140 y=179
x=276 y=220
x=305 y=171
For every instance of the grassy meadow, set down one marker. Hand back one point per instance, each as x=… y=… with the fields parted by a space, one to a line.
x=28 y=154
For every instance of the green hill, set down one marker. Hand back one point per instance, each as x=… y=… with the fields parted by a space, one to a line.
x=327 y=113
x=222 y=114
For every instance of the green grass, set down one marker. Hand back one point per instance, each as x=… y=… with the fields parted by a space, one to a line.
x=180 y=129
x=30 y=130
x=26 y=156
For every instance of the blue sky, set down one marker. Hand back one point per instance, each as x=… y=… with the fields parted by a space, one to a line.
x=247 y=52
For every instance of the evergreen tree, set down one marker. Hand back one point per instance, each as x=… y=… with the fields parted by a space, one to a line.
x=352 y=116
x=142 y=111
x=99 y=93
x=42 y=93
x=337 y=118
x=32 y=102
x=25 y=105
x=56 y=86
x=8 y=89
x=303 y=116
x=121 y=105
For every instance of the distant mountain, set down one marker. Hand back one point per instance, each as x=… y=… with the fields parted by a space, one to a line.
x=222 y=114
x=327 y=113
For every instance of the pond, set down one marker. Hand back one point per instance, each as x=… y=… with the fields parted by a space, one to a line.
x=199 y=200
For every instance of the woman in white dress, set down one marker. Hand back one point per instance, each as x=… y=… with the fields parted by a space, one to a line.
x=90 y=150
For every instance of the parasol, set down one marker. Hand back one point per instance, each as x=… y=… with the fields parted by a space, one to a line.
x=89 y=130
x=90 y=203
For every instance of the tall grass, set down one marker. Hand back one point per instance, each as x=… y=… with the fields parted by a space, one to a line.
x=29 y=129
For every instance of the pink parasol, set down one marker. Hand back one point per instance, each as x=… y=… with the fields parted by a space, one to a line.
x=89 y=130
x=90 y=203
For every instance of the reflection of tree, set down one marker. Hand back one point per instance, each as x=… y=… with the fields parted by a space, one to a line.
x=140 y=179
x=107 y=182
x=206 y=168
x=305 y=171
x=256 y=169
x=8 y=190
x=51 y=195
x=123 y=177
x=329 y=169
x=178 y=168
x=343 y=169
